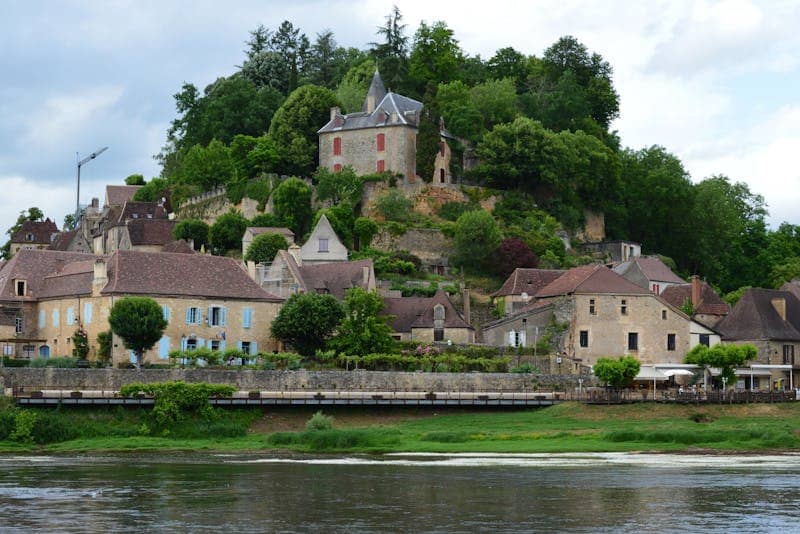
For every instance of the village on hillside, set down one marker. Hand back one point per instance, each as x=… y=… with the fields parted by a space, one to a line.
x=225 y=308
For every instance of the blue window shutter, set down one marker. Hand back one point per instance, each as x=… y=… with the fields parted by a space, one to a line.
x=163 y=348
x=247 y=317
x=254 y=348
x=183 y=344
x=42 y=319
x=221 y=345
x=55 y=317
x=165 y=312
x=199 y=319
x=223 y=312
x=239 y=345
x=133 y=356
x=87 y=313
x=188 y=315
x=70 y=316
x=201 y=342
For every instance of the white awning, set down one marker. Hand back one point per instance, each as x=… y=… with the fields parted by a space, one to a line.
x=649 y=373
x=752 y=372
x=676 y=372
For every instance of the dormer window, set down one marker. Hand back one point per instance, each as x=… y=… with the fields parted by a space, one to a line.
x=135 y=215
x=30 y=237
x=323 y=244
x=19 y=288
x=438 y=313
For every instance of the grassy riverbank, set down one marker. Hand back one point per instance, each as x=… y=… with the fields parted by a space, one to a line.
x=563 y=428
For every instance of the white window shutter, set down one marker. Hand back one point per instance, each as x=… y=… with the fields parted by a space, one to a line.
x=522 y=339
x=512 y=339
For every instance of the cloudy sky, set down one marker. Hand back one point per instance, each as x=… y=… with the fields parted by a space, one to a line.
x=716 y=82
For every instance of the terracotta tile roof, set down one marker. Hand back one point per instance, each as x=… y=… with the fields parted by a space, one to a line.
x=258 y=230
x=417 y=312
x=63 y=240
x=181 y=275
x=590 y=279
x=181 y=246
x=34 y=266
x=792 y=287
x=41 y=232
x=150 y=231
x=335 y=278
x=754 y=317
x=118 y=195
x=528 y=281
x=710 y=302
x=652 y=268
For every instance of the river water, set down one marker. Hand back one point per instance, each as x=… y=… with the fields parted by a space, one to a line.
x=400 y=493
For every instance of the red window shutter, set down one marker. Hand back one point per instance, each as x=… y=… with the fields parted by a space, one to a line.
x=381 y=142
x=381 y=165
x=337 y=167
x=337 y=146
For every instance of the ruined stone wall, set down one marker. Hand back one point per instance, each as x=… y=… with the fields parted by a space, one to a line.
x=429 y=244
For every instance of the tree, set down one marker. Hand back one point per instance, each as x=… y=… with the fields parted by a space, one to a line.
x=724 y=357
x=496 y=101
x=295 y=124
x=139 y=322
x=104 y=345
x=153 y=191
x=135 y=179
x=338 y=187
x=193 y=229
x=785 y=272
x=476 y=238
x=435 y=56
x=292 y=204
x=354 y=85
x=32 y=214
x=461 y=115
x=363 y=330
x=365 y=228
x=392 y=54
x=429 y=135
x=227 y=232
x=208 y=167
x=264 y=248
x=511 y=64
x=617 y=373
x=513 y=252
x=306 y=321
x=80 y=344
x=266 y=220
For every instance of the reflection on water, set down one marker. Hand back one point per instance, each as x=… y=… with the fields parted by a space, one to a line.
x=452 y=493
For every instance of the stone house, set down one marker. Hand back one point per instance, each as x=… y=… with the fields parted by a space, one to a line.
x=254 y=231
x=520 y=287
x=709 y=309
x=614 y=251
x=591 y=312
x=207 y=300
x=118 y=195
x=142 y=226
x=429 y=319
x=649 y=272
x=33 y=235
x=323 y=245
x=769 y=319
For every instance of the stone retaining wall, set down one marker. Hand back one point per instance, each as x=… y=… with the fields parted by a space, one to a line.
x=112 y=379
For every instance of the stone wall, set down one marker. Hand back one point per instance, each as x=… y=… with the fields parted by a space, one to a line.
x=112 y=379
x=428 y=244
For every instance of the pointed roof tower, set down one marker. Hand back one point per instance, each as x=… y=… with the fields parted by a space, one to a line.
x=375 y=94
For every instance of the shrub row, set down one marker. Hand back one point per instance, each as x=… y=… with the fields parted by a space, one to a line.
x=439 y=363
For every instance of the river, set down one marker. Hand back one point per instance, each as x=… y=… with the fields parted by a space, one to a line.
x=610 y=492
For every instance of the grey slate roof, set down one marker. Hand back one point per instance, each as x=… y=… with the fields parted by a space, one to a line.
x=652 y=268
x=754 y=317
x=376 y=90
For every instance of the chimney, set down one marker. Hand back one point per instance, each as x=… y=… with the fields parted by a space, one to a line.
x=696 y=291
x=365 y=276
x=251 y=270
x=294 y=250
x=100 y=277
x=465 y=294
x=335 y=111
x=779 y=303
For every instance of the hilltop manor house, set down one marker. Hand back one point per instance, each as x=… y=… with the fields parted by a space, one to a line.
x=382 y=137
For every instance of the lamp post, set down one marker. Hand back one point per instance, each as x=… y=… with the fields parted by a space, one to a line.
x=81 y=163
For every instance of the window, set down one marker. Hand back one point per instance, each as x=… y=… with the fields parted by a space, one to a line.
x=381 y=142
x=42 y=319
x=87 y=313
x=656 y=289
x=20 y=287
x=246 y=347
x=704 y=340
x=592 y=308
x=247 y=317
x=337 y=146
x=216 y=316
x=30 y=237
x=788 y=355
x=215 y=344
x=438 y=313
x=323 y=244
x=191 y=344
x=663 y=315
x=670 y=341
x=381 y=165
x=441 y=176
x=55 y=318
x=633 y=341
x=19 y=325
x=623 y=307
x=584 y=338
x=516 y=338
x=438 y=334
x=193 y=316
x=165 y=313
x=337 y=167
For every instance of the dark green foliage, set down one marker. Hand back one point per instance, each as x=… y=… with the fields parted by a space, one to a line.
x=391 y=54
x=139 y=321
x=208 y=167
x=153 y=191
x=432 y=362
x=104 y=346
x=386 y=263
x=175 y=400
x=292 y=204
x=294 y=127
x=227 y=232
x=80 y=344
x=363 y=330
x=193 y=229
x=451 y=211
x=428 y=135
x=394 y=206
x=338 y=187
x=365 y=229
x=135 y=179
x=32 y=214
x=306 y=321
x=266 y=220
x=264 y=248
x=341 y=219
x=476 y=238
x=435 y=56
x=617 y=373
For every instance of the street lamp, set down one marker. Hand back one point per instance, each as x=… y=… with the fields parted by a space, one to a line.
x=81 y=163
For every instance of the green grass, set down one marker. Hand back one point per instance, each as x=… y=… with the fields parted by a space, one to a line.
x=562 y=428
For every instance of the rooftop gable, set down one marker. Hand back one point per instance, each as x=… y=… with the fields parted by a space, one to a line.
x=754 y=317
x=36 y=232
x=596 y=279
x=529 y=281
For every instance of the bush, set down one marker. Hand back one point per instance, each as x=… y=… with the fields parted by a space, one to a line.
x=193 y=229
x=174 y=400
x=451 y=211
x=394 y=206
x=62 y=362
x=226 y=234
x=320 y=421
x=264 y=248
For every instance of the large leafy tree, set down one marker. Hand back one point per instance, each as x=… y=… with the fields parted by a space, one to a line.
x=264 y=248
x=724 y=357
x=391 y=54
x=477 y=236
x=208 y=167
x=292 y=204
x=193 y=229
x=139 y=322
x=435 y=56
x=294 y=127
x=306 y=321
x=227 y=232
x=338 y=187
x=363 y=330
x=617 y=373
x=31 y=214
